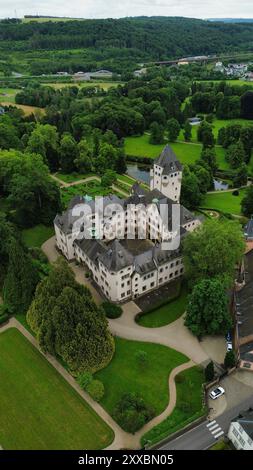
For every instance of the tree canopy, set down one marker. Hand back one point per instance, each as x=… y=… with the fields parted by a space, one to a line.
x=207 y=311
x=213 y=251
x=68 y=323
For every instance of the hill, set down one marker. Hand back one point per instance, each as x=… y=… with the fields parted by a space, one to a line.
x=156 y=37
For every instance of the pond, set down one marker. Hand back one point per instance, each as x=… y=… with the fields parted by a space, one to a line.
x=220 y=185
x=139 y=172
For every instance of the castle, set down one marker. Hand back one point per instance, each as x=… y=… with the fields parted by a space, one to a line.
x=134 y=261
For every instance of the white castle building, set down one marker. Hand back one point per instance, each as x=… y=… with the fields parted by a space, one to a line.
x=124 y=245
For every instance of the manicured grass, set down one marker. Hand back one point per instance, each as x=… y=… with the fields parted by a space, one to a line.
x=38 y=408
x=219 y=123
x=186 y=152
x=224 y=201
x=166 y=313
x=123 y=374
x=36 y=236
x=188 y=408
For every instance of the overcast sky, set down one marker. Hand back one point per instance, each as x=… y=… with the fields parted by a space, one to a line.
x=121 y=8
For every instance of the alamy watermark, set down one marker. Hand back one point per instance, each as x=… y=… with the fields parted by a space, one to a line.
x=131 y=221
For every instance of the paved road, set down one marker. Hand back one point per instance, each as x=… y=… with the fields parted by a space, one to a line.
x=207 y=433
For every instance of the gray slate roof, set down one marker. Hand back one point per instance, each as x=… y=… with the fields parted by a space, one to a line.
x=248 y=229
x=168 y=161
x=116 y=257
x=245 y=419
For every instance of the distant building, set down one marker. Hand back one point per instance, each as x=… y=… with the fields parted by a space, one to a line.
x=62 y=74
x=241 y=431
x=248 y=230
x=194 y=121
x=219 y=67
x=140 y=73
x=81 y=76
x=101 y=74
x=248 y=77
x=236 y=70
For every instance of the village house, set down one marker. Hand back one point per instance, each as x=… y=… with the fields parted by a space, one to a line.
x=241 y=431
x=131 y=246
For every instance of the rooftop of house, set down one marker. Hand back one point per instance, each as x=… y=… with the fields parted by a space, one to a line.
x=245 y=419
x=248 y=229
x=117 y=254
x=244 y=307
x=168 y=161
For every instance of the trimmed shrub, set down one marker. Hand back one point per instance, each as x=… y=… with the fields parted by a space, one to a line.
x=235 y=192
x=132 y=412
x=230 y=360
x=84 y=379
x=112 y=310
x=3 y=318
x=141 y=359
x=209 y=372
x=96 y=390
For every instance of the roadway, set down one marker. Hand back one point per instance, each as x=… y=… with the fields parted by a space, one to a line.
x=207 y=433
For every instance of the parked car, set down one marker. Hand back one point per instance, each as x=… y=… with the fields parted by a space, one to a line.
x=216 y=393
x=228 y=336
x=229 y=346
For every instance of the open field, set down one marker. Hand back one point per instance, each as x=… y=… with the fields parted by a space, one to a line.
x=7 y=95
x=186 y=152
x=217 y=124
x=27 y=109
x=124 y=374
x=38 y=409
x=224 y=202
x=188 y=406
x=101 y=84
x=166 y=313
x=36 y=236
x=40 y=19
x=228 y=82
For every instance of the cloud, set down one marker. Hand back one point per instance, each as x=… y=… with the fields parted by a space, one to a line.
x=117 y=8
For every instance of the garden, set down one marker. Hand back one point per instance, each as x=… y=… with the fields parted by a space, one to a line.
x=189 y=406
x=140 y=369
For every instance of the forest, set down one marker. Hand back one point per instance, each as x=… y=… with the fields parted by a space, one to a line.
x=157 y=36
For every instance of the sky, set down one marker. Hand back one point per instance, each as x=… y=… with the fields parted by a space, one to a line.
x=119 y=8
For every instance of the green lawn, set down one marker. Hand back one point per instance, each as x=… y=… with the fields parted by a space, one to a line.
x=38 y=408
x=8 y=95
x=224 y=201
x=188 y=407
x=186 y=152
x=222 y=445
x=36 y=236
x=72 y=177
x=123 y=374
x=166 y=313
